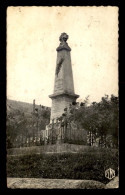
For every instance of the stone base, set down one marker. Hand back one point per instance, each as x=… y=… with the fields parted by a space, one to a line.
x=60 y=102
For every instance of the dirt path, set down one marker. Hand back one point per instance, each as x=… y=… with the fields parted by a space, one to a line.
x=40 y=183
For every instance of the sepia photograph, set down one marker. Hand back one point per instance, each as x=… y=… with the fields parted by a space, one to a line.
x=62 y=123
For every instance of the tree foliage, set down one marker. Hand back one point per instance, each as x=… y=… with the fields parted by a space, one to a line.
x=101 y=118
x=22 y=125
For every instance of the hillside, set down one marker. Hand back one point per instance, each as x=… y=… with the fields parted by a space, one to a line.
x=22 y=106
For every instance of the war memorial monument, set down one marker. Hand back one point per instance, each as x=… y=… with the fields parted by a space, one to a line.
x=64 y=93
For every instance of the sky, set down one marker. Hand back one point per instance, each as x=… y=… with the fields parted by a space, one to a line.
x=33 y=36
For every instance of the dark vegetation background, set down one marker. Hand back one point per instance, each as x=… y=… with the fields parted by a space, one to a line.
x=101 y=118
x=20 y=120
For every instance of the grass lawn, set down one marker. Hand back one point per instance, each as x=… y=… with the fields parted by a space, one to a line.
x=89 y=165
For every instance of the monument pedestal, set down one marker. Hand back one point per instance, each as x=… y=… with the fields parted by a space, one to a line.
x=61 y=101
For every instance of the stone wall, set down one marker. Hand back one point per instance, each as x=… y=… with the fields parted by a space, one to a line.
x=56 y=148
